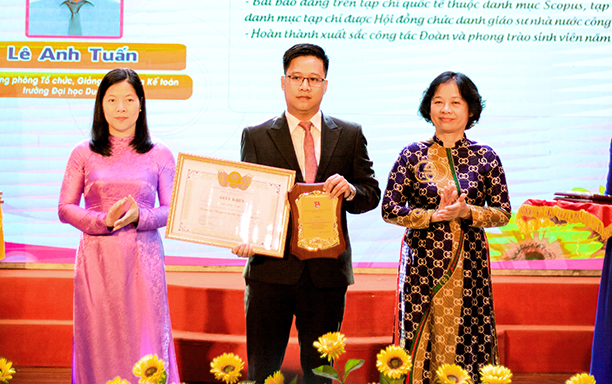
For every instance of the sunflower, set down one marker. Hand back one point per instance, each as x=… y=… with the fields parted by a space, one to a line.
x=393 y=362
x=275 y=378
x=227 y=368
x=495 y=374
x=331 y=345
x=6 y=372
x=118 y=380
x=150 y=369
x=581 y=378
x=452 y=374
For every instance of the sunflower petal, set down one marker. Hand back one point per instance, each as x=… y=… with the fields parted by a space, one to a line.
x=393 y=362
x=581 y=378
x=227 y=368
x=331 y=345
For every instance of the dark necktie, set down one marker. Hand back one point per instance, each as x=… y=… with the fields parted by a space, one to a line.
x=310 y=159
x=74 y=27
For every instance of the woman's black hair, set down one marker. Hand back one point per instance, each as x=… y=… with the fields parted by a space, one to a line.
x=99 y=142
x=468 y=92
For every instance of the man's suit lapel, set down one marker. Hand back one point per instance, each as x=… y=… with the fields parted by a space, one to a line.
x=280 y=135
x=330 y=133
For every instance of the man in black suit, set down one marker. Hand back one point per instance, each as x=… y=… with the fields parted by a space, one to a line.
x=314 y=291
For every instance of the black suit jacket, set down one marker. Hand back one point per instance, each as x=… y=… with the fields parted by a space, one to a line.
x=343 y=151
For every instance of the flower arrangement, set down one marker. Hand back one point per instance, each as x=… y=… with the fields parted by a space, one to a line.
x=495 y=374
x=581 y=378
x=394 y=365
x=331 y=345
x=150 y=369
x=118 y=380
x=452 y=374
x=276 y=378
x=6 y=372
x=227 y=367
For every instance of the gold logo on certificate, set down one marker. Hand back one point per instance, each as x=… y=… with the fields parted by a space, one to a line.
x=317 y=229
x=234 y=180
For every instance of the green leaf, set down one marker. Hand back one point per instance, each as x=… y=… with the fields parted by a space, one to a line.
x=294 y=381
x=384 y=379
x=163 y=378
x=351 y=365
x=326 y=371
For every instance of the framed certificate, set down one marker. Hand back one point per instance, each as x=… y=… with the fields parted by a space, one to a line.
x=225 y=203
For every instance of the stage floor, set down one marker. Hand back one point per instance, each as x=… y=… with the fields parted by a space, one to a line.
x=537 y=318
x=62 y=376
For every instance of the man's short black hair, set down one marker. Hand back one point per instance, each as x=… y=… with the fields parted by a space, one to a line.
x=299 y=50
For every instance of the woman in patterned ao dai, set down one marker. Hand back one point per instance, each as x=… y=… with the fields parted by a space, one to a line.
x=445 y=190
x=120 y=301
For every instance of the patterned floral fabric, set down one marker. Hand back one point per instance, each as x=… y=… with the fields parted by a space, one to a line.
x=445 y=308
x=601 y=355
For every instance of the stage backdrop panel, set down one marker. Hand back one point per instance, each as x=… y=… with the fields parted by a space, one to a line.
x=212 y=68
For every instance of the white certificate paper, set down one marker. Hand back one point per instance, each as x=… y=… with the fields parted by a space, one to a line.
x=225 y=203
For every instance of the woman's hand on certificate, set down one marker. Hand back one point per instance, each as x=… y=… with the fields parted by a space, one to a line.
x=243 y=250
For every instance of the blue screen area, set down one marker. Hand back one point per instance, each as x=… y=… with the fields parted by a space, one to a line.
x=543 y=67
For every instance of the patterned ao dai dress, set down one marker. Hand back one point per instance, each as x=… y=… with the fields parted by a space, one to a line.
x=601 y=354
x=445 y=306
x=120 y=300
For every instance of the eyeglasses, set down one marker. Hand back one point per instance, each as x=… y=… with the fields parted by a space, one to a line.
x=298 y=80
